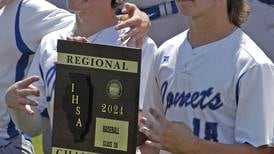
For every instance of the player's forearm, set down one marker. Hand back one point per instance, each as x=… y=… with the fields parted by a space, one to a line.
x=32 y=125
x=206 y=147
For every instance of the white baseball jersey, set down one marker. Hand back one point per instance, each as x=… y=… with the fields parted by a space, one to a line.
x=23 y=23
x=48 y=55
x=223 y=90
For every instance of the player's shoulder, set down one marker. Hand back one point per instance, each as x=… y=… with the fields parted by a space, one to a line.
x=50 y=40
x=174 y=43
x=149 y=43
x=41 y=6
x=60 y=34
x=250 y=51
x=169 y=49
x=37 y=5
x=148 y=40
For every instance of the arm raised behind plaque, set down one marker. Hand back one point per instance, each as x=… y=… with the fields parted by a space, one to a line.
x=24 y=109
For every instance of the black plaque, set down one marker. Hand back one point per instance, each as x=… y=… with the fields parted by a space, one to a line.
x=96 y=99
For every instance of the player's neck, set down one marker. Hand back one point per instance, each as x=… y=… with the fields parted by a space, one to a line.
x=89 y=24
x=209 y=28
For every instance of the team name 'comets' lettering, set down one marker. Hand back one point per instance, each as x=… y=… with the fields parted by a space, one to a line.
x=203 y=99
